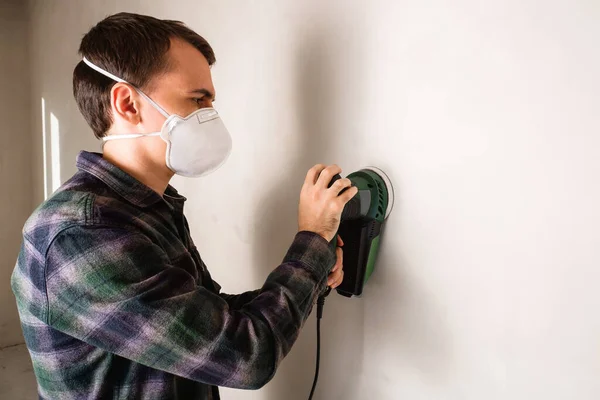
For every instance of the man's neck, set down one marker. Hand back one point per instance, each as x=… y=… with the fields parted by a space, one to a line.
x=155 y=177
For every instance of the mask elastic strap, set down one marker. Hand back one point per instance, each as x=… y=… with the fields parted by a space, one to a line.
x=117 y=79
x=129 y=136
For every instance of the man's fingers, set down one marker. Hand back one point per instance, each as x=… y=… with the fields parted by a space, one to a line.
x=334 y=277
x=339 y=259
x=327 y=174
x=348 y=194
x=337 y=280
x=337 y=272
x=313 y=174
x=340 y=242
x=340 y=185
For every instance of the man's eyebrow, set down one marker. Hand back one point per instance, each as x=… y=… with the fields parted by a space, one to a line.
x=204 y=92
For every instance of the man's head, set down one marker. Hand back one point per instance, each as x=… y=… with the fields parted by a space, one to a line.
x=165 y=59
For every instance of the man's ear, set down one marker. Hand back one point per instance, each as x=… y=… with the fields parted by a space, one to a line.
x=125 y=104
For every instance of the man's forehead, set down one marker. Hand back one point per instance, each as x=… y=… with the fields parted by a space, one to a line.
x=189 y=66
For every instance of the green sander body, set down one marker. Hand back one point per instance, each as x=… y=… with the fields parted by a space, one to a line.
x=361 y=226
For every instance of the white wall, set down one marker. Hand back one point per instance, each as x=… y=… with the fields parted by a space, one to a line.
x=15 y=156
x=485 y=115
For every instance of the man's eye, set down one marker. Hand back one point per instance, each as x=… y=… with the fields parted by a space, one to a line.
x=201 y=101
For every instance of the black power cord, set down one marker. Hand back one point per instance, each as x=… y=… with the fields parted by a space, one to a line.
x=320 y=304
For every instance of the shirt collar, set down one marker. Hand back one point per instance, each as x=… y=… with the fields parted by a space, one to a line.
x=122 y=183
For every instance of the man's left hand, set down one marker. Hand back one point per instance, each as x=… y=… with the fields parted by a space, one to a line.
x=336 y=276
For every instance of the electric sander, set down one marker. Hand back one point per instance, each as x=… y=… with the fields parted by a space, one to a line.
x=361 y=225
x=360 y=228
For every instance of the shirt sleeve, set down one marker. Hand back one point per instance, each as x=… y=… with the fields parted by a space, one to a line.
x=115 y=290
x=237 y=301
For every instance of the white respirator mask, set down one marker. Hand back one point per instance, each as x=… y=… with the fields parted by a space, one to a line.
x=196 y=145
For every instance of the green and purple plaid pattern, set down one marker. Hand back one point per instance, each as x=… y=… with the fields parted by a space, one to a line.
x=116 y=302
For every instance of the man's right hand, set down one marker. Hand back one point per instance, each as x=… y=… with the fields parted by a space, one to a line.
x=320 y=207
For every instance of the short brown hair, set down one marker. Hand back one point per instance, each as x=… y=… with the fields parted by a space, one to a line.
x=131 y=46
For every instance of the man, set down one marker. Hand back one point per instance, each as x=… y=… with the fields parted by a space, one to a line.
x=114 y=299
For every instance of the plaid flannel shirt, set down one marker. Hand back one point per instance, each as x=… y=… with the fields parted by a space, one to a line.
x=116 y=302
